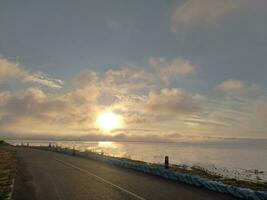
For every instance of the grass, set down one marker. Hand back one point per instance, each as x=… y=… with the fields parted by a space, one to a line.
x=7 y=171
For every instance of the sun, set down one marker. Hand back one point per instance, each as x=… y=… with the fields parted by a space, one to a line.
x=109 y=121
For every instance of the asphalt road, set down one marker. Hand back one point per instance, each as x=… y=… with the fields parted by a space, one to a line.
x=47 y=175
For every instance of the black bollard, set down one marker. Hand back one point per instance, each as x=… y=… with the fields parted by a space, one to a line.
x=166 y=162
x=73 y=151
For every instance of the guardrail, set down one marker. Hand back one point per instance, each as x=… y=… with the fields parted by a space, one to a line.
x=242 y=193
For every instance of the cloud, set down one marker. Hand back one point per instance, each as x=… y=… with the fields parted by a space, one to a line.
x=230 y=85
x=32 y=107
x=132 y=91
x=124 y=80
x=85 y=77
x=159 y=71
x=13 y=70
x=204 y=12
x=4 y=96
x=128 y=92
x=173 y=101
x=238 y=89
x=261 y=111
x=32 y=102
x=9 y=69
x=43 y=79
x=171 y=69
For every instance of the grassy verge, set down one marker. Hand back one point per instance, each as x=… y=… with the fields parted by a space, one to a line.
x=7 y=171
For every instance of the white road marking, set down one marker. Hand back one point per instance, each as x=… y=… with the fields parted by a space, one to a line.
x=101 y=179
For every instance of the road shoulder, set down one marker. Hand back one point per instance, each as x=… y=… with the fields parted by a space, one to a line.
x=23 y=187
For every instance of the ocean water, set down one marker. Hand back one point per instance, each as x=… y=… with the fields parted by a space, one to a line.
x=244 y=159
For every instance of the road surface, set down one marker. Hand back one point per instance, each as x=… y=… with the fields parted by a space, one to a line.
x=45 y=175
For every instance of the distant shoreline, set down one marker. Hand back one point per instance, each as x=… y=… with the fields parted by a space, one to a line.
x=112 y=139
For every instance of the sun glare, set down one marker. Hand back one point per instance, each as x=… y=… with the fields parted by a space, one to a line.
x=109 y=121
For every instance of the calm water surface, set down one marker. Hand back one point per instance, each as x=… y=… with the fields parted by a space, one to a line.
x=235 y=153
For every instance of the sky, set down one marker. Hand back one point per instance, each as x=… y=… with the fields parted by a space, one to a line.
x=170 y=69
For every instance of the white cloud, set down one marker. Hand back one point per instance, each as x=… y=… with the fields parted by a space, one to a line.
x=43 y=79
x=9 y=69
x=192 y=12
x=13 y=70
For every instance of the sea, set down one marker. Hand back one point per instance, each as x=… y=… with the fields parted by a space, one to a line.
x=243 y=159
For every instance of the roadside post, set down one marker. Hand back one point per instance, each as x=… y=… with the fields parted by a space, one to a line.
x=73 y=151
x=166 y=162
